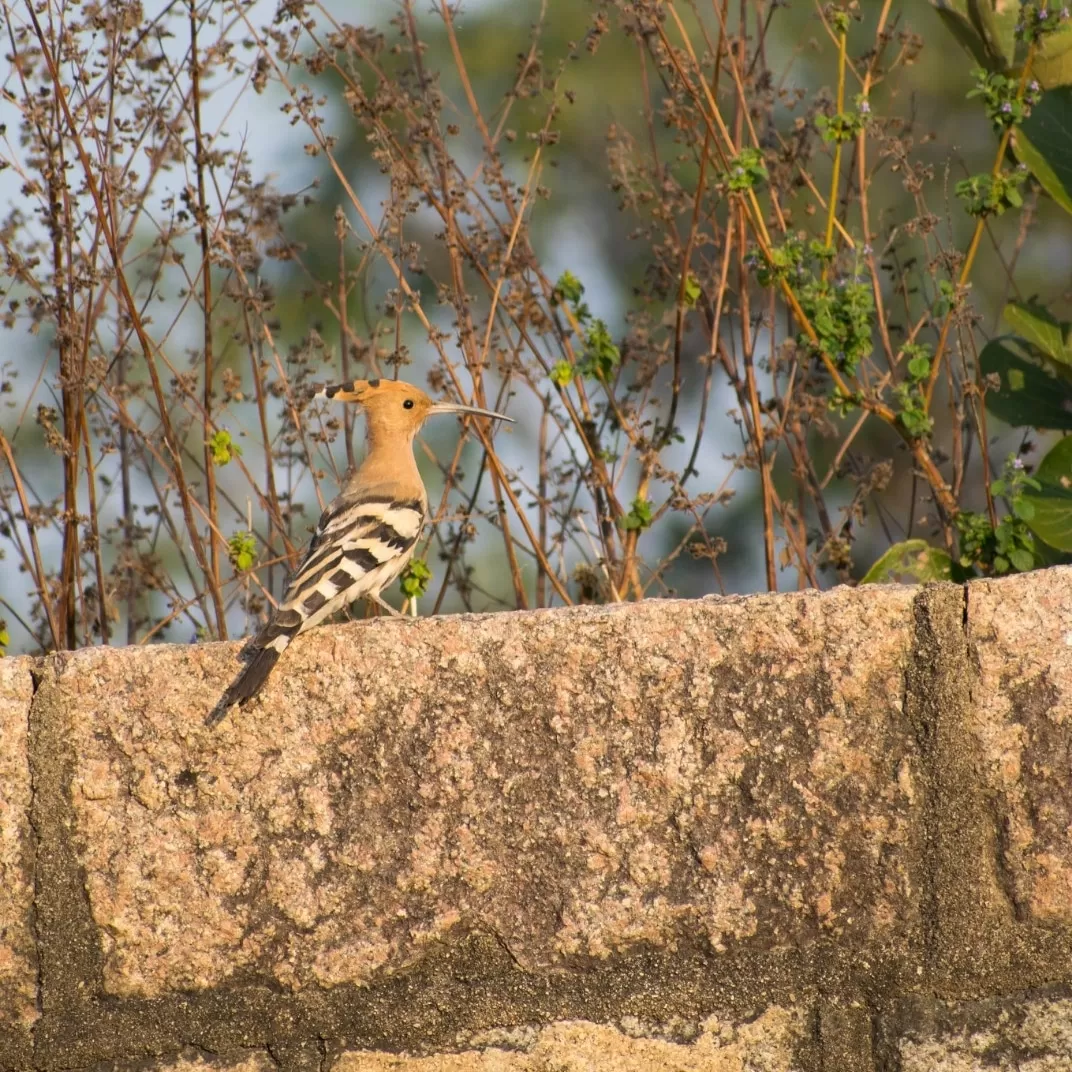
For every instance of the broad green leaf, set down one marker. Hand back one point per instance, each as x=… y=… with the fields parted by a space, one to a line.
x=976 y=27
x=1039 y=327
x=1052 y=519
x=1052 y=67
x=1023 y=561
x=1044 y=144
x=959 y=25
x=912 y=558
x=987 y=29
x=1056 y=467
x=1030 y=394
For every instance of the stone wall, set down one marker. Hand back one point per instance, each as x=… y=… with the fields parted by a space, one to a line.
x=817 y=832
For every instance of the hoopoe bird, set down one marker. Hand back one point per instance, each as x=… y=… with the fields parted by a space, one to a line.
x=365 y=537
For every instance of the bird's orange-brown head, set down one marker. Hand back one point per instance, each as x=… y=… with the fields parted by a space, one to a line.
x=395 y=410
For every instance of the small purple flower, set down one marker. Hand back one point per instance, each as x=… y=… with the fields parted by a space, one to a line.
x=867 y=250
x=865 y=108
x=1006 y=108
x=1033 y=86
x=1018 y=463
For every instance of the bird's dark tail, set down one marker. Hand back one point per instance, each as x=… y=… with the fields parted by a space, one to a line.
x=249 y=682
x=260 y=655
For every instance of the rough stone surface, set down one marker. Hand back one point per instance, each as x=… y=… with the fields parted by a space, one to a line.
x=18 y=971
x=192 y=1062
x=577 y=784
x=1020 y=631
x=766 y=1044
x=997 y=1037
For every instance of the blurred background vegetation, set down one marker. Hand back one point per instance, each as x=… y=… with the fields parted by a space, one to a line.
x=159 y=477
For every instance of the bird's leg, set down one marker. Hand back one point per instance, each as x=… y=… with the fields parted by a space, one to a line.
x=377 y=598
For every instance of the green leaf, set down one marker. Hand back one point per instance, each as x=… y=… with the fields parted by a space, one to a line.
x=415 y=578
x=5 y=640
x=1024 y=561
x=989 y=35
x=912 y=558
x=562 y=374
x=919 y=367
x=242 y=550
x=601 y=355
x=692 y=291
x=223 y=448
x=987 y=29
x=568 y=288
x=639 y=516
x=1044 y=144
x=954 y=13
x=1052 y=504
x=1023 y=509
x=1029 y=395
x=1040 y=328
x=1053 y=60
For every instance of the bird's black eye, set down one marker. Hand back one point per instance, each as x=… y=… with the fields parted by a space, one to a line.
x=408 y=404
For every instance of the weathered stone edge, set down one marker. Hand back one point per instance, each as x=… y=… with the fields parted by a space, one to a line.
x=973 y=946
x=16 y=1040
x=976 y=949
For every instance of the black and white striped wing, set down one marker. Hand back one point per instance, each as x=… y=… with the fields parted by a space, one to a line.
x=360 y=546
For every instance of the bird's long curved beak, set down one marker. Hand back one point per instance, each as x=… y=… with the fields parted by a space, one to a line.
x=454 y=407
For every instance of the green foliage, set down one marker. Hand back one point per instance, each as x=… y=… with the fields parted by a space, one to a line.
x=1001 y=98
x=1044 y=144
x=415 y=578
x=1052 y=502
x=841 y=315
x=692 y=290
x=223 y=448
x=946 y=300
x=914 y=559
x=1009 y=547
x=1038 y=18
x=562 y=374
x=639 y=516
x=1023 y=387
x=1050 y=336
x=746 y=171
x=844 y=126
x=838 y=18
x=601 y=355
x=912 y=415
x=997 y=35
x=568 y=289
x=5 y=639
x=842 y=404
x=991 y=195
x=783 y=262
x=242 y=551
